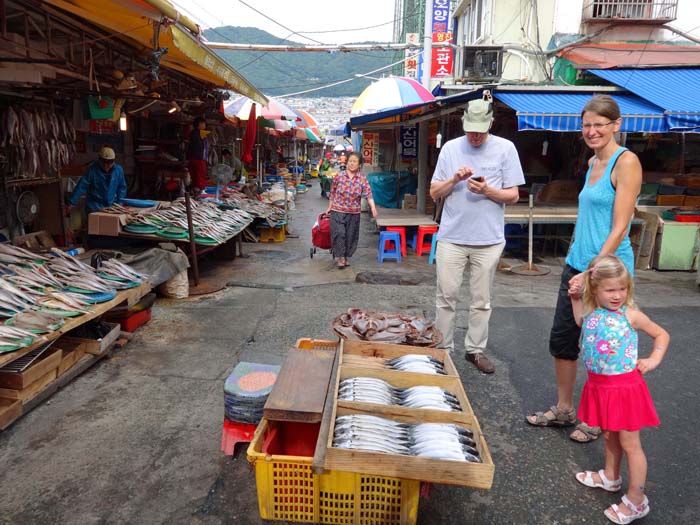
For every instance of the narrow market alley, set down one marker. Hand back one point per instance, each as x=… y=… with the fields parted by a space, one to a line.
x=136 y=439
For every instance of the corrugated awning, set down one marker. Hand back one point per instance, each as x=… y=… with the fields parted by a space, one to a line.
x=133 y=21
x=562 y=111
x=675 y=90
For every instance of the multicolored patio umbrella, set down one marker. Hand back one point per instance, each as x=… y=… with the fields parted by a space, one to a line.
x=390 y=93
x=275 y=110
x=306 y=119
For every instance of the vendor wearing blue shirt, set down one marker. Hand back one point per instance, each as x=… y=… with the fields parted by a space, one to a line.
x=103 y=183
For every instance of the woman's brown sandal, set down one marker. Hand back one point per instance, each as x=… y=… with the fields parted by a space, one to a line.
x=561 y=418
x=584 y=433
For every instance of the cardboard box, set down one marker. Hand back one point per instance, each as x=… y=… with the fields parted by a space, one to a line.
x=100 y=223
x=91 y=346
x=409 y=202
x=110 y=224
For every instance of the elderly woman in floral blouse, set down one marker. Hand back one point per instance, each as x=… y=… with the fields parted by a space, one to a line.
x=347 y=191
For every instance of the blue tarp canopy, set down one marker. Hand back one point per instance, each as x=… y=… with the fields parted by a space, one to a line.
x=673 y=89
x=562 y=111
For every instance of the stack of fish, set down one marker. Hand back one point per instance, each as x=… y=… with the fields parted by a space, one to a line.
x=37 y=292
x=386 y=328
x=274 y=215
x=41 y=141
x=418 y=363
x=430 y=440
x=211 y=224
x=374 y=390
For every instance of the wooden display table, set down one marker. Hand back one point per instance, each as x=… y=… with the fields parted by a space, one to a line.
x=399 y=217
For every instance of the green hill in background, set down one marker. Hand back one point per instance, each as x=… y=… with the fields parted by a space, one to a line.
x=279 y=73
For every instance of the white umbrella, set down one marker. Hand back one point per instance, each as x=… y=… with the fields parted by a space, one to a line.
x=339 y=147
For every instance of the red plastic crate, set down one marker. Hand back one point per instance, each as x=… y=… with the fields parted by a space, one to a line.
x=131 y=323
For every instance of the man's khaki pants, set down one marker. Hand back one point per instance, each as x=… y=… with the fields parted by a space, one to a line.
x=451 y=261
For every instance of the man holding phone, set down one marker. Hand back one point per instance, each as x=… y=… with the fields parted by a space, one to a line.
x=477 y=174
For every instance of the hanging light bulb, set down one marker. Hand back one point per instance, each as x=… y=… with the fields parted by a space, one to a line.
x=173 y=107
x=438 y=140
x=122 y=121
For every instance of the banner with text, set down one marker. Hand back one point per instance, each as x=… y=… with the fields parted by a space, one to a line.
x=442 y=56
x=409 y=142
x=370 y=148
x=412 y=56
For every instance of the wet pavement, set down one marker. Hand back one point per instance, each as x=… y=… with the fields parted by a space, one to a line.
x=136 y=439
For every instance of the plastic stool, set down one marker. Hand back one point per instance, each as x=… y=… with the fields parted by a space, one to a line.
x=433 y=249
x=233 y=433
x=402 y=232
x=389 y=253
x=421 y=245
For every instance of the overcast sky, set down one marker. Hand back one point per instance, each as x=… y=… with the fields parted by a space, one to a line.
x=299 y=15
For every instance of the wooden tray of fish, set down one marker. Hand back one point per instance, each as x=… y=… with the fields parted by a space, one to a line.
x=368 y=354
x=428 y=444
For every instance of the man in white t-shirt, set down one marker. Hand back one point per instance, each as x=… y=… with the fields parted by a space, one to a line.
x=477 y=175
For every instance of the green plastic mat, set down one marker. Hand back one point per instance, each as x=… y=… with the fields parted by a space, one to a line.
x=61 y=313
x=172 y=233
x=140 y=228
x=206 y=241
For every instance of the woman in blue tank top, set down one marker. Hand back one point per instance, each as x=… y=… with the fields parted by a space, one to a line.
x=606 y=208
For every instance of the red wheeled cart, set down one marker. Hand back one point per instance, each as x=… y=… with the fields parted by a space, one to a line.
x=321 y=234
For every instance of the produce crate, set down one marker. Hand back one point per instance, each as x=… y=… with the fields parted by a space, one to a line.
x=269 y=234
x=288 y=490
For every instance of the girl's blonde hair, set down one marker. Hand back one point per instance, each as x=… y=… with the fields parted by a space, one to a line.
x=600 y=268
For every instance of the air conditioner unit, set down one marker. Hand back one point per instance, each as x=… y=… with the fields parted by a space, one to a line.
x=482 y=62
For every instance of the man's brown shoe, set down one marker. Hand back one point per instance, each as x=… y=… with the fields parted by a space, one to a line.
x=481 y=362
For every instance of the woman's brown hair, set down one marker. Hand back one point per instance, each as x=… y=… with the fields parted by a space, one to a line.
x=602 y=105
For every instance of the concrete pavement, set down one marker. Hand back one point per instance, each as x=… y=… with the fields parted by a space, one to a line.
x=136 y=438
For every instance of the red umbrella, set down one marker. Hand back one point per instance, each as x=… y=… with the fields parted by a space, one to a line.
x=249 y=137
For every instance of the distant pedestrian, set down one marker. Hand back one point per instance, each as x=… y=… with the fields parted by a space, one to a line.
x=615 y=396
x=478 y=174
x=197 y=154
x=605 y=211
x=344 y=207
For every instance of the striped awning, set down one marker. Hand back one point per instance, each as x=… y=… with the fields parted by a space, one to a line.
x=562 y=111
x=675 y=90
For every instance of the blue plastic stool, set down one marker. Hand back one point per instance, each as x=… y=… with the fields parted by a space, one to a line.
x=389 y=253
x=433 y=249
x=412 y=237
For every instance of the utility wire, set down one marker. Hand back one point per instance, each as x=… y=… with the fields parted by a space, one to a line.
x=346 y=80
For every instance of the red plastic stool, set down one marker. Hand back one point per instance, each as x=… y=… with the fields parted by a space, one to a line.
x=421 y=245
x=402 y=233
x=233 y=433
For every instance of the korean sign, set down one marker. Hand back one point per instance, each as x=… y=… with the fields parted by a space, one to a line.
x=412 y=57
x=409 y=141
x=370 y=148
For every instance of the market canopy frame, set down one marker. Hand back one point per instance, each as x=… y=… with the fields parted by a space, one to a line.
x=134 y=21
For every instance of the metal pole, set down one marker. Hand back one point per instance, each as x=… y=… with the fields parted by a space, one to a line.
x=529 y=233
x=193 y=244
x=427 y=44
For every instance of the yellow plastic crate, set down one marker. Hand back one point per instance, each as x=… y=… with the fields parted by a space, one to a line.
x=269 y=234
x=288 y=490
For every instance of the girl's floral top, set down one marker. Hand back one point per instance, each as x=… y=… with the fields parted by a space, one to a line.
x=347 y=192
x=608 y=342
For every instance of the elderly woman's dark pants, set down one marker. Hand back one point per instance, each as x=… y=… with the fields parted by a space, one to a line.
x=345 y=232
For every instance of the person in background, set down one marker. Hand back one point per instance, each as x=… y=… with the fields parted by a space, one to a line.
x=344 y=207
x=477 y=174
x=103 y=183
x=605 y=211
x=197 y=154
x=235 y=163
x=615 y=396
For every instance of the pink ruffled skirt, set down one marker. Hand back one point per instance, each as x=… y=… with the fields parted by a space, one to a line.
x=617 y=402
